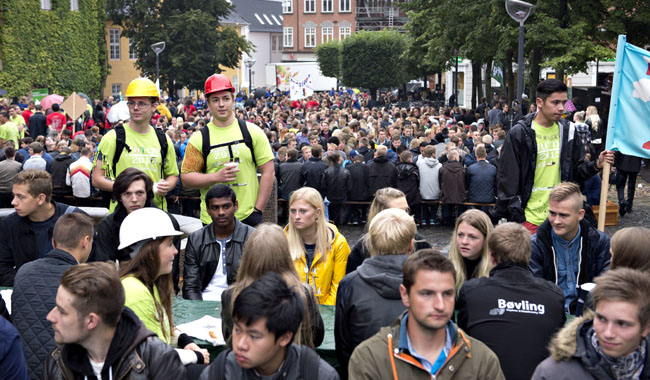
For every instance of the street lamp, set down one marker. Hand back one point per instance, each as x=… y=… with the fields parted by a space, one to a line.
x=158 y=48
x=520 y=11
x=249 y=63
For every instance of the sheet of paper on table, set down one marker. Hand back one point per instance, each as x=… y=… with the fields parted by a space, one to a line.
x=202 y=327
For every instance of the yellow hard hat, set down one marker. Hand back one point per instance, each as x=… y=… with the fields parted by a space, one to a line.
x=142 y=87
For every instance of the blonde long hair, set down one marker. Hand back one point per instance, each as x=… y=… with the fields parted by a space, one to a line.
x=592 y=116
x=479 y=220
x=266 y=250
x=323 y=240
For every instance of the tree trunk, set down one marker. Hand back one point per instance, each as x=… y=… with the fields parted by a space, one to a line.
x=488 y=80
x=511 y=87
x=535 y=70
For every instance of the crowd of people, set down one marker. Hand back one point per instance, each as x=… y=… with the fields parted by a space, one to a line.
x=98 y=302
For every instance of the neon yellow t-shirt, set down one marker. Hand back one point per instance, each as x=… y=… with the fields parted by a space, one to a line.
x=9 y=131
x=547 y=172
x=138 y=298
x=246 y=185
x=144 y=155
x=18 y=122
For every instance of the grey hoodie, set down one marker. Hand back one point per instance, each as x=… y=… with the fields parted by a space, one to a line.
x=429 y=183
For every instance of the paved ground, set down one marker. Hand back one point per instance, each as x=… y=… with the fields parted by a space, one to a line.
x=440 y=236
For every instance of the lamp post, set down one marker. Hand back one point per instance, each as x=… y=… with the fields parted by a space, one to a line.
x=249 y=63
x=520 y=11
x=158 y=48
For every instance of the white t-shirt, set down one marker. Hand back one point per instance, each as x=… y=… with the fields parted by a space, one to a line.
x=97 y=368
x=219 y=281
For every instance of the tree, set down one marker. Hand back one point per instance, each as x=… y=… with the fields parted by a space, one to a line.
x=373 y=60
x=197 y=45
x=57 y=49
x=329 y=59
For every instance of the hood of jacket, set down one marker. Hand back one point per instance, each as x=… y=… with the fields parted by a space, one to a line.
x=63 y=157
x=380 y=159
x=405 y=169
x=384 y=274
x=429 y=161
x=453 y=166
x=565 y=343
x=129 y=333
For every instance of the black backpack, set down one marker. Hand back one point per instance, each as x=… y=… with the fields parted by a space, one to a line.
x=309 y=364
x=247 y=139
x=120 y=144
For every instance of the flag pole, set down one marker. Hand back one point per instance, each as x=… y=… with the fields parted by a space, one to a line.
x=602 y=208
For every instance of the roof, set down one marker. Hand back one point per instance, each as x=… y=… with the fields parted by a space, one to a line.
x=234 y=18
x=261 y=15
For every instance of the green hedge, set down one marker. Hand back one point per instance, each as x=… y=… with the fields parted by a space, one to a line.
x=58 y=49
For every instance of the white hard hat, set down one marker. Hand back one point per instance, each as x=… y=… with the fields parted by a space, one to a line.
x=145 y=223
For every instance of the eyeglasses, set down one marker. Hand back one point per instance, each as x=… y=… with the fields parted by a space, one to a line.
x=132 y=104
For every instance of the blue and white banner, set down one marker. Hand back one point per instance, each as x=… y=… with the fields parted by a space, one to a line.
x=301 y=89
x=628 y=130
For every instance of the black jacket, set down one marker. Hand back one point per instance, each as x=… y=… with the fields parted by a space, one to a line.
x=33 y=297
x=289 y=177
x=481 y=178
x=408 y=180
x=312 y=171
x=594 y=254
x=134 y=354
x=514 y=313
x=59 y=169
x=335 y=183
x=381 y=174
x=367 y=299
x=367 y=154
x=360 y=252
x=359 y=175
x=202 y=255
x=291 y=368
x=18 y=243
x=37 y=125
x=516 y=172
x=452 y=182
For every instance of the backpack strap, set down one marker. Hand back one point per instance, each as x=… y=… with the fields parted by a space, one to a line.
x=162 y=140
x=309 y=363
x=246 y=139
x=120 y=144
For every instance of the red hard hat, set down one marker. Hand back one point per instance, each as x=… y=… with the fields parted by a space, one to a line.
x=216 y=83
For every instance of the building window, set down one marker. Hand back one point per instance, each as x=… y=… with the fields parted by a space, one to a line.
x=276 y=42
x=310 y=37
x=133 y=51
x=74 y=5
x=116 y=89
x=46 y=5
x=344 y=5
x=288 y=37
x=328 y=34
x=328 y=6
x=114 y=39
x=344 y=32
x=310 y=6
x=287 y=6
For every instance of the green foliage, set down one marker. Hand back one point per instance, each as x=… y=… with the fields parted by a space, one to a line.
x=196 y=44
x=329 y=59
x=373 y=60
x=57 y=49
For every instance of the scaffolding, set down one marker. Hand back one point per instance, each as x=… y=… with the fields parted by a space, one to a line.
x=380 y=14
